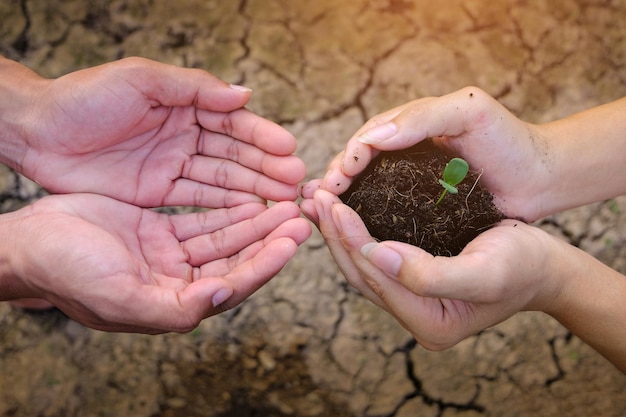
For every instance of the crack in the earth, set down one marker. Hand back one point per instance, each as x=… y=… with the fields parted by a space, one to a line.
x=419 y=392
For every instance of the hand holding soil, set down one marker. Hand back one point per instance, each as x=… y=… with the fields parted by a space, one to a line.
x=498 y=272
x=514 y=158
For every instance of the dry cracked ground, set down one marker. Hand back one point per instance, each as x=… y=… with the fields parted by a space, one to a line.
x=306 y=344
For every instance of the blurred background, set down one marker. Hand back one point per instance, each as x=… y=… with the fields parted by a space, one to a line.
x=306 y=344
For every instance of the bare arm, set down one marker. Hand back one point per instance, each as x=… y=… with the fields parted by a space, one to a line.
x=586 y=156
x=17 y=88
x=591 y=303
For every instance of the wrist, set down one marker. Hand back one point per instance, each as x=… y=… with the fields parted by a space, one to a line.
x=12 y=284
x=549 y=260
x=560 y=271
x=590 y=304
x=581 y=154
x=18 y=87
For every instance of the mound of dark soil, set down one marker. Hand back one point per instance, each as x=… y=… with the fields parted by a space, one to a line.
x=396 y=197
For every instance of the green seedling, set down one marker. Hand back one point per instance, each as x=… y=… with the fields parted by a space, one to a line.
x=455 y=171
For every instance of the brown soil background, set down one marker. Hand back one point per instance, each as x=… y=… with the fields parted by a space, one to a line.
x=306 y=344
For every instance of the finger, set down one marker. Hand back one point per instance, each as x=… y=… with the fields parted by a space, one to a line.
x=308 y=209
x=297 y=230
x=475 y=275
x=467 y=110
x=307 y=189
x=354 y=236
x=224 y=243
x=435 y=323
x=251 y=275
x=151 y=309
x=248 y=127
x=176 y=310
x=190 y=225
x=325 y=204
x=174 y=86
x=351 y=228
x=201 y=299
x=335 y=180
x=359 y=155
x=355 y=157
x=425 y=118
x=461 y=277
x=394 y=298
x=186 y=192
x=289 y=169
x=233 y=176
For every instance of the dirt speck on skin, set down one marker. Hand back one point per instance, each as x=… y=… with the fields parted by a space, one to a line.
x=396 y=197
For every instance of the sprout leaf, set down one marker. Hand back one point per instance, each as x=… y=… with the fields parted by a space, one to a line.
x=455 y=171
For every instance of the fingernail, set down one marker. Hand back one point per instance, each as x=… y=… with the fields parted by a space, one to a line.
x=378 y=134
x=387 y=260
x=240 y=88
x=221 y=295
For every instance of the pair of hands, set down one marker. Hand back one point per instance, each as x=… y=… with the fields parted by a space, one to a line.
x=133 y=134
x=443 y=300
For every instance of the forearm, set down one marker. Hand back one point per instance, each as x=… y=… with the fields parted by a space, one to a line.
x=18 y=86
x=585 y=155
x=591 y=303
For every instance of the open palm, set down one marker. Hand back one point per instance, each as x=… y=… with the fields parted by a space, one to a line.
x=122 y=268
x=152 y=135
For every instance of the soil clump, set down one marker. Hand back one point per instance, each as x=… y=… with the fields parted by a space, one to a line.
x=396 y=197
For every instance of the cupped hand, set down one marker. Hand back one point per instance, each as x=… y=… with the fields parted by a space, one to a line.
x=442 y=300
x=152 y=134
x=114 y=266
x=513 y=157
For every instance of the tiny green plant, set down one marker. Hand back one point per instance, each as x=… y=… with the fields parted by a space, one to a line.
x=455 y=171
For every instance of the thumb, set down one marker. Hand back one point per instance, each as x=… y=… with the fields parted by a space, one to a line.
x=176 y=310
x=449 y=115
x=204 y=298
x=457 y=277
